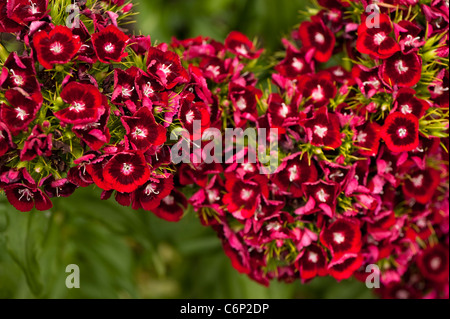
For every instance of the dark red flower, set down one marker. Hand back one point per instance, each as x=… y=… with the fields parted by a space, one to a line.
x=126 y=171
x=215 y=69
x=401 y=132
x=439 y=90
x=6 y=142
x=149 y=195
x=367 y=138
x=37 y=144
x=124 y=87
x=243 y=197
x=317 y=89
x=22 y=111
x=143 y=131
x=281 y=115
x=342 y=237
x=403 y=70
x=409 y=36
x=24 y=198
x=433 y=263
x=96 y=134
x=406 y=102
x=315 y=34
x=84 y=104
x=19 y=72
x=422 y=184
x=95 y=170
x=345 y=267
x=172 y=206
x=79 y=176
x=311 y=262
x=194 y=113
x=110 y=44
x=244 y=99
x=166 y=68
x=58 y=187
x=293 y=172
x=25 y=11
x=324 y=129
x=57 y=47
x=237 y=43
x=368 y=80
x=140 y=44
x=294 y=64
x=376 y=41
x=7 y=24
x=321 y=195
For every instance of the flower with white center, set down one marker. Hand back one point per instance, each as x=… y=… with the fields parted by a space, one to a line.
x=273 y=226
x=214 y=69
x=379 y=37
x=77 y=107
x=320 y=131
x=406 y=109
x=313 y=257
x=56 y=47
x=21 y=114
x=322 y=196
x=148 y=89
x=213 y=195
x=17 y=79
x=246 y=194
x=417 y=181
x=401 y=67
x=338 y=238
x=435 y=263
x=297 y=64
x=361 y=137
x=241 y=103
x=138 y=132
x=126 y=92
x=127 y=169
x=25 y=193
x=109 y=47
x=319 y=38
x=242 y=50
x=165 y=69
x=402 y=132
x=151 y=189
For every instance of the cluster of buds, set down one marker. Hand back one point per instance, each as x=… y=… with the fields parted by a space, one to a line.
x=357 y=109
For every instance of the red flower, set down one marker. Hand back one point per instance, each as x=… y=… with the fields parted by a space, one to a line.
x=24 y=198
x=172 y=206
x=294 y=64
x=110 y=44
x=406 y=102
x=342 y=237
x=244 y=102
x=25 y=11
x=59 y=46
x=367 y=138
x=149 y=195
x=401 y=132
x=439 y=90
x=403 y=70
x=191 y=112
x=237 y=43
x=281 y=115
x=243 y=197
x=19 y=72
x=166 y=68
x=422 y=184
x=433 y=263
x=293 y=172
x=22 y=111
x=5 y=139
x=143 y=131
x=311 y=262
x=321 y=195
x=126 y=171
x=85 y=104
x=324 y=129
x=7 y=24
x=95 y=134
x=318 y=89
x=124 y=87
x=344 y=268
x=316 y=35
x=376 y=41
x=37 y=144
x=368 y=80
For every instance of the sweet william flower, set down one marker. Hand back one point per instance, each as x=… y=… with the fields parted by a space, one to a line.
x=143 y=131
x=367 y=138
x=422 y=184
x=433 y=263
x=84 y=104
x=59 y=46
x=166 y=68
x=400 y=132
x=6 y=142
x=25 y=11
x=240 y=45
x=315 y=34
x=406 y=102
x=109 y=44
x=37 y=144
x=126 y=171
x=149 y=195
x=342 y=237
x=311 y=262
x=402 y=70
x=324 y=129
x=19 y=72
x=7 y=24
x=172 y=207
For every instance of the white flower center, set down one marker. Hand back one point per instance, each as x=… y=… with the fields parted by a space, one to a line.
x=317 y=93
x=21 y=114
x=151 y=189
x=127 y=168
x=374 y=82
x=248 y=167
x=274 y=225
x=33 y=8
x=417 y=181
x=297 y=64
x=406 y=109
x=214 y=69
x=439 y=89
x=138 y=132
x=284 y=110
x=148 y=90
x=322 y=196
x=213 y=195
x=126 y=92
x=293 y=173
x=320 y=131
x=17 y=79
x=379 y=37
x=338 y=72
x=169 y=200
x=246 y=194
x=242 y=50
x=77 y=107
x=401 y=67
x=402 y=132
x=109 y=47
x=166 y=69
x=338 y=238
x=313 y=257
x=56 y=47
x=361 y=138
x=241 y=103
x=435 y=263
x=319 y=38
x=190 y=116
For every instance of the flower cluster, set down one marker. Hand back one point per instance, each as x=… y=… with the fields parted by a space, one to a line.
x=359 y=101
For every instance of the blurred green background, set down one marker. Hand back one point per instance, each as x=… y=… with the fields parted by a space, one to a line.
x=123 y=253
